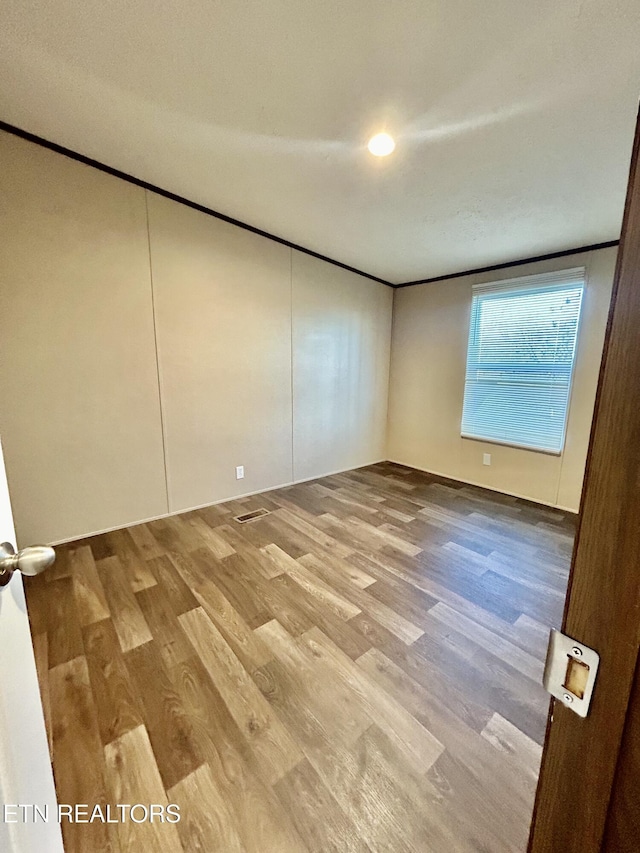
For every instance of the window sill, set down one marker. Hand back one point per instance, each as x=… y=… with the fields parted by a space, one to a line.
x=512 y=444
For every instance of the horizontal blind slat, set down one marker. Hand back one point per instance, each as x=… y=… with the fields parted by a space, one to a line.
x=520 y=359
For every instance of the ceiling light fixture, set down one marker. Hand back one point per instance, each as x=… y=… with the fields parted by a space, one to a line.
x=381 y=145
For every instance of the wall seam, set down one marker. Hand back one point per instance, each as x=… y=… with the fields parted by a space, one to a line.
x=157 y=355
x=293 y=473
x=387 y=435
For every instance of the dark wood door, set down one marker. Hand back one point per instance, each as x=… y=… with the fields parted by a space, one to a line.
x=622 y=832
x=603 y=601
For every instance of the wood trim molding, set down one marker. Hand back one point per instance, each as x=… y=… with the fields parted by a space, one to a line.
x=88 y=161
x=504 y=266
x=116 y=173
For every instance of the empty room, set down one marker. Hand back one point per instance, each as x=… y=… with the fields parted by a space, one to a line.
x=320 y=382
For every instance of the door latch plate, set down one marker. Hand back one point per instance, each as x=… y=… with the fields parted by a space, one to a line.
x=570 y=672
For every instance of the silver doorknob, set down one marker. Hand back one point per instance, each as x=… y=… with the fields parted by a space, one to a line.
x=30 y=561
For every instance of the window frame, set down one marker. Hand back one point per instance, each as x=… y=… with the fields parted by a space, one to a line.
x=568 y=278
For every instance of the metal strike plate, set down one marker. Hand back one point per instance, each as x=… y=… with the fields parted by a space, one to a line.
x=570 y=672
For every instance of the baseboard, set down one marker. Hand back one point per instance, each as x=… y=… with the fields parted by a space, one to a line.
x=212 y=503
x=484 y=486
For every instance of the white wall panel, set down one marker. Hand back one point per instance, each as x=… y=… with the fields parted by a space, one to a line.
x=79 y=406
x=428 y=359
x=341 y=340
x=223 y=316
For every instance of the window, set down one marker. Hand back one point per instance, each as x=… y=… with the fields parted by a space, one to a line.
x=522 y=345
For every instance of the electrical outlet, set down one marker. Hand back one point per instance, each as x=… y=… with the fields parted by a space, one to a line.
x=239 y=472
x=486 y=459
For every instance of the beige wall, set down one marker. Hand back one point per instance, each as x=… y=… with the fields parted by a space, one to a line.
x=79 y=408
x=341 y=333
x=428 y=359
x=223 y=319
x=237 y=318
x=136 y=333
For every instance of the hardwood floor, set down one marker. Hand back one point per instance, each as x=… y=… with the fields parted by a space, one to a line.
x=359 y=670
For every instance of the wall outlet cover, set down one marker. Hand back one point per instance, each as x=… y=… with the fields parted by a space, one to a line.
x=239 y=472
x=486 y=459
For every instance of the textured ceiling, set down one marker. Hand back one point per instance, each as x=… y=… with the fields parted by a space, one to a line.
x=514 y=120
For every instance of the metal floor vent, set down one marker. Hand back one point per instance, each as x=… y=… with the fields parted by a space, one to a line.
x=251 y=516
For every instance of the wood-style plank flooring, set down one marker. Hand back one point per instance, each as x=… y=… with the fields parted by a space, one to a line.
x=357 y=671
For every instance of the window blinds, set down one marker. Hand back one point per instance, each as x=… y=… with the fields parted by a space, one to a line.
x=522 y=343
